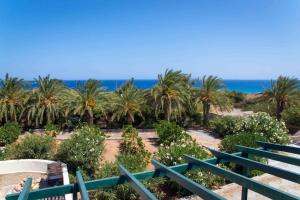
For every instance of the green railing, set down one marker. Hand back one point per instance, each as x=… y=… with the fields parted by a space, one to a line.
x=175 y=173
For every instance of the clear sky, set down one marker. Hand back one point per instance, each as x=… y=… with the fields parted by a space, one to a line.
x=119 y=39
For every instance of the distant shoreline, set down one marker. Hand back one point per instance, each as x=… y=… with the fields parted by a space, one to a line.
x=243 y=86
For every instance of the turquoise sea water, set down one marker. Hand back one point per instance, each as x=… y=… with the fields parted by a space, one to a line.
x=245 y=86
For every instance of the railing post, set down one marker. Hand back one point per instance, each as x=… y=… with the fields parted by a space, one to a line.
x=26 y=189
x=74 y=192
x=81 y=186
x=245 y=171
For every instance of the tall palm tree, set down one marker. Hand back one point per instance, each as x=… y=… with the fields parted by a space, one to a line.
x=45 y=100
x=86 y=99
x=210 y=94
x=12 y=98
x=169 y=93
x=282 y=92
x=129 y=102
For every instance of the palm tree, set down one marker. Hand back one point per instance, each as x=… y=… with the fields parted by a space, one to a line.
x=282 y=92
x=170 y=92
x=86 y=99
x=129 y=102
x=46 y=100
x=12 y=98
x=210 y=94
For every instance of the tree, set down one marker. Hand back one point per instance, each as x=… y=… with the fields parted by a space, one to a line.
x=45 y=100
x=282 y=92
x=129 y=102
x=170 y=92
x=87 y=98
x=210 y=94
x=12 y=98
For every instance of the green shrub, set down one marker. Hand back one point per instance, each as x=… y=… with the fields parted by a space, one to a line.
x=132 y=149
x=31 y=147
x=259 y=106
x=245 y=139
x=134 y=163
x=169 y=132
x=131 y=143
x=2 y=155
x=9 y=133
x=84 y=150
x=224 y=125
x=124 y=191
x=291 y=116
x=237 y=97
x=51 y=129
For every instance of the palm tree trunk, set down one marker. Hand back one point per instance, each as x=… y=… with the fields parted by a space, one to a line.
x=129 y=120
x=206 y=108
x=89 y=118
x=279 y=109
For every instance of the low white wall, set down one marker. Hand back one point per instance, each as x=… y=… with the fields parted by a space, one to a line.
x=32 y=165
x=24 y=165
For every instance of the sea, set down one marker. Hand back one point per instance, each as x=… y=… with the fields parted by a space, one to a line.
x=244 y=86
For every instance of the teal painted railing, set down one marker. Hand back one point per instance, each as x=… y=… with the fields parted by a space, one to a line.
x=175 y=173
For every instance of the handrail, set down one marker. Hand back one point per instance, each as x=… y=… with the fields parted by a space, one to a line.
x=291 y=176
x=242 y=180
x=278 y=147
x=137 y=186
x=187 y=183
x=270 y=155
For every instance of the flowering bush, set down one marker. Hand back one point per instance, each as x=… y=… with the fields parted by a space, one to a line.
x=262 y=123
x=260 y=126
x=224 y=125
x=169 y=132
x=31 y=147
x=173 y=154
x=84 y=150
x=9 y=132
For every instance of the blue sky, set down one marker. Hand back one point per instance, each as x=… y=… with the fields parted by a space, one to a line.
x=119 y=39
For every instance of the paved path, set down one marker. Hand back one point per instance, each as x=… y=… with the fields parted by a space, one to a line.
x=205 y=138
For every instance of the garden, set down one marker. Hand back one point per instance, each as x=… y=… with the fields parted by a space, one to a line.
x=171 y=108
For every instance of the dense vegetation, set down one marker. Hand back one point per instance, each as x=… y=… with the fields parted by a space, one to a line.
x=173 y=98
x=173 y=103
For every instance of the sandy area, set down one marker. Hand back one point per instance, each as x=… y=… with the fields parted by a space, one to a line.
x=234 y=112
x=9 y=183
x=112 y=144
x=150 y=140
